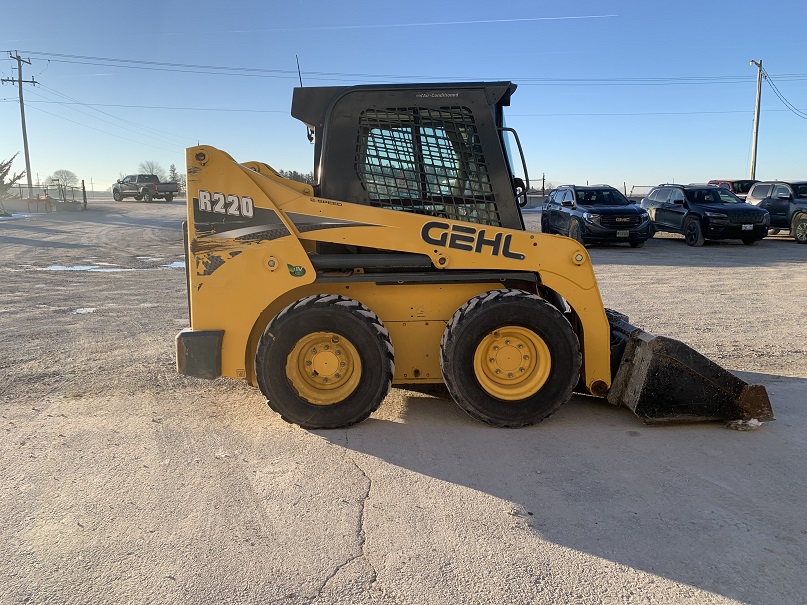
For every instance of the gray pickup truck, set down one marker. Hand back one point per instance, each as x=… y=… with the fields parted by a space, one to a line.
x=144 y=187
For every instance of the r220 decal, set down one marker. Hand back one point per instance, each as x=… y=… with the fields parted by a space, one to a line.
x=229 y=205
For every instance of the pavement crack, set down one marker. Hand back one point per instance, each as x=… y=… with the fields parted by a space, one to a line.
x=361 y=534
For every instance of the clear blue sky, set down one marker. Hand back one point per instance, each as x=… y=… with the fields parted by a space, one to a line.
x=635 y=92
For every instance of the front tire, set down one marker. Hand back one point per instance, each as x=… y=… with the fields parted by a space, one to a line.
x=325 y=362
x=799 y=230
x=693 y=232
x=637 y=244
x=509 y=358
x=117 y=196
x=751 y=241
x=576 y=231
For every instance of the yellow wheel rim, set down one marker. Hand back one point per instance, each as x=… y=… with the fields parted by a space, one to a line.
x=324 y=368
x=512 y=363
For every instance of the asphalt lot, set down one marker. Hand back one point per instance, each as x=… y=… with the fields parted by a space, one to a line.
x=124 y=482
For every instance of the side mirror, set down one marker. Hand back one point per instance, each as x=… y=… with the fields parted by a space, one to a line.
x=118 y=181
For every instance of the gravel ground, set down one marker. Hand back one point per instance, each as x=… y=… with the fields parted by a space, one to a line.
x=124 y=482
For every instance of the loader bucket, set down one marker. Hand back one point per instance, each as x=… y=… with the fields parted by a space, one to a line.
x=663 y=380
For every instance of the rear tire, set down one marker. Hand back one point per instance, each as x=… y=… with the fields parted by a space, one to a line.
x=147 y=196
x=693 y=232
x=799 y=230
x=169 y=197
x=509 y=358
x=117 y=196
x=325 y=362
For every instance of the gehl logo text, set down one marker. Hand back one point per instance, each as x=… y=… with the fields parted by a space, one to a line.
x=470 y=239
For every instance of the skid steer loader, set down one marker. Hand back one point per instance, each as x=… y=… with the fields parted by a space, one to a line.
x=408 y=264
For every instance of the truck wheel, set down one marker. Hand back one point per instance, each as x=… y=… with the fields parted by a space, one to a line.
x=169 y=197
x=138 y=197
x=325 y=362
x=773 y=231
x=509 y=358
x=693 y=232
x=147 y=196
x=116 y=196
x=751 y=241
x=799 y=229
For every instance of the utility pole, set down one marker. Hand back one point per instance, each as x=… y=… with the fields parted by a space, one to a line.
x=20 y=81
x=753 y=170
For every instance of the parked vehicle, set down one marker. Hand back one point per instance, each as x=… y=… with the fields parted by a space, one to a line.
x=787 y=204
x=738 y=187
x=702 y=212
x=594 y=215
x=144 y=187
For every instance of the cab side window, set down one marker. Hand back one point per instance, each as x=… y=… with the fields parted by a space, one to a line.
x=760 y=192
x=780 y=190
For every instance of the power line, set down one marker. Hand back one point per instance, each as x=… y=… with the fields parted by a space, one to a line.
x=796 y=111
x=103 y=131
x=159 y=133
x=292 y=74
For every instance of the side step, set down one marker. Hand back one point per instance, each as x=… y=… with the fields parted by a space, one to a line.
x=663 y=380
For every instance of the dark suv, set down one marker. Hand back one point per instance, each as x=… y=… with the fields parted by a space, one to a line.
x=786 y=203
x=703 y=212
x=594 y=214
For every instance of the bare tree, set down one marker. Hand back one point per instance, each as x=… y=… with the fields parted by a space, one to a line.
x=65 y=177
x=6 y=185
x=152 y=167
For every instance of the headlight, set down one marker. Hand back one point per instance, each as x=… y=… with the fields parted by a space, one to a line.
x=717 y=215
x=592 y=218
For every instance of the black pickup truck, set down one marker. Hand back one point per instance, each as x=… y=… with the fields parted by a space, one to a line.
x=144 y=187
x=787 y=204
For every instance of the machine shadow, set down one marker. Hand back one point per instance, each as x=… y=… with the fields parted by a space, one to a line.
x=694 y=503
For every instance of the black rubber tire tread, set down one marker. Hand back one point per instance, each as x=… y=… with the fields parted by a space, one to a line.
x=147 y=196
x=330 y=313
x=117 y=196
x=773 y=231
x=696 y=238
x=138 y=197
x=799 y=229
x=480 y=316
x=576 y=231
x=169 y=197
x=637 y=244
x=751 y=241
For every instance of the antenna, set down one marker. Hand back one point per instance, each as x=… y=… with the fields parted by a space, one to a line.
x=308 y=132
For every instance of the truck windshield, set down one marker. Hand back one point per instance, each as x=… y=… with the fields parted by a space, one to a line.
x=742 y=186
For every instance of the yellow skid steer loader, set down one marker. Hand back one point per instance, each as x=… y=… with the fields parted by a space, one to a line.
x=408 y=264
